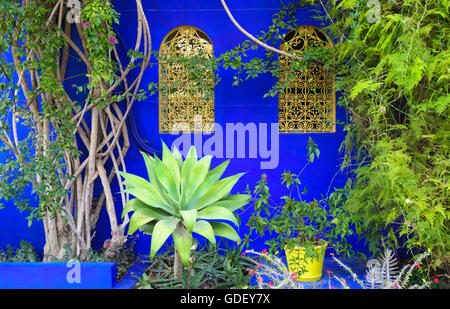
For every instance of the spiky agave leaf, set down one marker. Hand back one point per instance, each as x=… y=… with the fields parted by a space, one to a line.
x=181 y=198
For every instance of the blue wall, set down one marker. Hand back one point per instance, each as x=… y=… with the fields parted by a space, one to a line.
x=244 y=103
x=233 y=104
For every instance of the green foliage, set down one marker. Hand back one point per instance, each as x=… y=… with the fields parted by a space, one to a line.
x=24 y=28
x=25 y=253
x=124 y=256
x=211 y=268
x=181 y=199
x=98 y=17
x=38 y=162
x=271 y=272
x=393 y=79
x=297 y=222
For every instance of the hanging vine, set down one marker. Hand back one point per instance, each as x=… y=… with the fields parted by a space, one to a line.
x=391 y=64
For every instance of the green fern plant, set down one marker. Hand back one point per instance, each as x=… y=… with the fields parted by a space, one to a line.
x=181 y=198
x=25 y=253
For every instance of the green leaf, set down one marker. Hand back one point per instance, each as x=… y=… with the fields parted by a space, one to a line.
x=415 y=73
x=204 y=187
x=145 y=191
x=198 y=174
x=224 y=230
x=363 y=86
x=148 y=227
x=188 y=164
x=150 y=211
x=347 y=4
x=441 y=104
x=189 y=218
x=217 y=213
x=205 y=229
x=183 y=243
x=178 y=158
x=148 y=198
x=161 y=232
x=233 y=202
x=150 y=164
x=137 y=220
x=172 y=165
x=129 y=207
x=164 y=175
x=218 y=171
x=218 y=191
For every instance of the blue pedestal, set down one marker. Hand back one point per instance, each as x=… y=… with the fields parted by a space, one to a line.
x=57 y=275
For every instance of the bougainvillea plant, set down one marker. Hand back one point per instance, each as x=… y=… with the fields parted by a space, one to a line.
x=69 y=146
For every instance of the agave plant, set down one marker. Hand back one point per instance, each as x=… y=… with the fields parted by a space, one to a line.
x=181 y=198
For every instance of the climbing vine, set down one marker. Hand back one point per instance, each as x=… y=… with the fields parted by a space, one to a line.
x=69 y=147
x=392 y=67
x=391 y=62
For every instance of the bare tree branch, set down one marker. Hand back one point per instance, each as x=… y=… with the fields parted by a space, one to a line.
x=254 y=39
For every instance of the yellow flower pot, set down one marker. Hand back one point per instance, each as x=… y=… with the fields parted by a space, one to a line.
x=312 y=266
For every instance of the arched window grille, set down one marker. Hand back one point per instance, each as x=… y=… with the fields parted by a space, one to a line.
x=182 y=100
x=308 y=104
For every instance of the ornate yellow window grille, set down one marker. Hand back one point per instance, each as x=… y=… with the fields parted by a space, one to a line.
x=308 y=103
x=182 y=102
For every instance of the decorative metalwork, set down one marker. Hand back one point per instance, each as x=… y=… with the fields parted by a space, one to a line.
x=308 y=102
x=183 y=105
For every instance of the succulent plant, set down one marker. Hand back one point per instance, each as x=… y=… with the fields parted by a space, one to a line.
x=182 y=198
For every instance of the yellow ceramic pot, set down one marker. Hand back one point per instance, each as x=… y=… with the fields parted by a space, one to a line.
x=312 y=266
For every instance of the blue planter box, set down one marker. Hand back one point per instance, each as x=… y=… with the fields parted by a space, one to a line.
x=57 y=275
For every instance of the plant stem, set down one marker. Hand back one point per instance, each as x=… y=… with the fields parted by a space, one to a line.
x=177 y=265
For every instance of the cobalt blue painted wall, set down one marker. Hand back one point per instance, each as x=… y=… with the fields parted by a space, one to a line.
x=244 y=103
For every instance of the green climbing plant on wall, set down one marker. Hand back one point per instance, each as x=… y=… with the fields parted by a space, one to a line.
x=392 y=73
x=68 y=146
x=391 y=63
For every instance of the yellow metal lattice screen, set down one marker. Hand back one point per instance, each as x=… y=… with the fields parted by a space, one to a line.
x=308 y=103
x=181 y=101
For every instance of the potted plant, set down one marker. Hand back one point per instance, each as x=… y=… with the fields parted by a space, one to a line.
x=303 y=229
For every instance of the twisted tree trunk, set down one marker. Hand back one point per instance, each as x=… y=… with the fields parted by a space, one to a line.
x=71 y=219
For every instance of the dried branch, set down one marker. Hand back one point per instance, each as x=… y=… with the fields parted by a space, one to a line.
x=254 y=39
